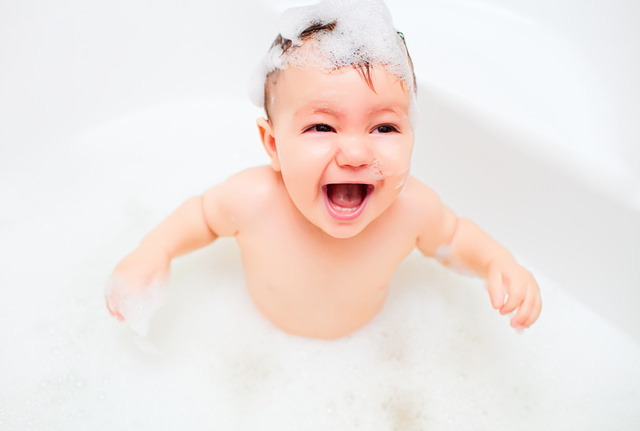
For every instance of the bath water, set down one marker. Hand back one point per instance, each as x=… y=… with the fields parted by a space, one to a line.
x=437 y=357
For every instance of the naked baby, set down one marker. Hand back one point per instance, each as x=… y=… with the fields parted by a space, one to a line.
x=323 y=228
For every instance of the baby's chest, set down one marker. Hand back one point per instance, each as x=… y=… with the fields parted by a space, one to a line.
x=293 y=260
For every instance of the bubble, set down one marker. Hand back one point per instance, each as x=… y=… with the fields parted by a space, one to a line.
x=136 y=304
x=363 y=34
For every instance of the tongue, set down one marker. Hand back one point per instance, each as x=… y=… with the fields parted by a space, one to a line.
x=346 y=195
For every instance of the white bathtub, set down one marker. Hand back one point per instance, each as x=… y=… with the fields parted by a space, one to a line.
x=544 y=99
x=113 y=113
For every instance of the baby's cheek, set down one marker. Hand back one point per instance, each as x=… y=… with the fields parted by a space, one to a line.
x=396 y=151
x=379 y=173
x=310 y=154
x=404 y=176
x=392 y=162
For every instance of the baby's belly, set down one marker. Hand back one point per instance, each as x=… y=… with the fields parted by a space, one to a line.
x=317 y=310
x=319 y=287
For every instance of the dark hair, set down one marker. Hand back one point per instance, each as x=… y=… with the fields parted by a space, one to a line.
x=286 y=45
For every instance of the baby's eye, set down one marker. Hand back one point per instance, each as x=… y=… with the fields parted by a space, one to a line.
x=322 y=128
x=385 y=128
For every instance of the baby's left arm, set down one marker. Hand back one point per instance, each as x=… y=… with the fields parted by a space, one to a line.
x=461 y=244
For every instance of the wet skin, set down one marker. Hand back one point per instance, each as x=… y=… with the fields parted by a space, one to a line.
x=323 y=228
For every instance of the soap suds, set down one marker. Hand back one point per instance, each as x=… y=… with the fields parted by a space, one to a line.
x=437 y=357
x=445 y=256
x=376 y=168
x=363 y=34
x=139 y=304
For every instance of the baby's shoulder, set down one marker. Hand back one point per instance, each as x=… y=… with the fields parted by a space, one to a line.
x=419 y=206
x=431 y=220
x=256 y=180
x=251 y=188
x=418 y=198
x=243 y=195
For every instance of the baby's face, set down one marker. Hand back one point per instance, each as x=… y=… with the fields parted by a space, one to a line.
x=342 y=148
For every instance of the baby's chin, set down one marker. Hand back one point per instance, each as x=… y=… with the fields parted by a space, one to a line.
x=342 y=230
x=340 y=233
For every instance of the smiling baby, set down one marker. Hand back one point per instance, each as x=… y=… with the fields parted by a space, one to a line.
x=323 y=228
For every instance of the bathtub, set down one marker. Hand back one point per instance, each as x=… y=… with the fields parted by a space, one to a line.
x=112 y=113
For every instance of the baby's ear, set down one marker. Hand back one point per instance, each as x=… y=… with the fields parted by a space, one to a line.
x=269 y=142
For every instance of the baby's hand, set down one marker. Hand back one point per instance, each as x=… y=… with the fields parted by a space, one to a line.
x=512 y=287
x=137 y=287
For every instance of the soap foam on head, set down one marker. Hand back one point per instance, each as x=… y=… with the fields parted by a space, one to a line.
x=363 y=34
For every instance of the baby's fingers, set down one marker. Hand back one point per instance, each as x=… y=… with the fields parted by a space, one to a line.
x=528 y=311
x=497 y=289
x=517 y=294
x=536 y=312
x=112 y=312
x=111 y=296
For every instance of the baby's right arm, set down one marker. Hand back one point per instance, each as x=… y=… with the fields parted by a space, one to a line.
x=136 y=287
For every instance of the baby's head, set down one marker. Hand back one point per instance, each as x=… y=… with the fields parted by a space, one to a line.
x=331 y=35
x=340 y=94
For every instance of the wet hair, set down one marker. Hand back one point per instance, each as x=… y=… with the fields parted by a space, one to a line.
x=311 y=32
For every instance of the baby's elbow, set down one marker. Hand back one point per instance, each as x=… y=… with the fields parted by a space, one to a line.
x=450 y=225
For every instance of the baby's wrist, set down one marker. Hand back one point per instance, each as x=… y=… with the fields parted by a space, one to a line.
x=501 y=260
x=151 y=247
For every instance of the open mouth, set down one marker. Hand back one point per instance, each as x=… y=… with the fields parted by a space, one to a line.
x=345 y=201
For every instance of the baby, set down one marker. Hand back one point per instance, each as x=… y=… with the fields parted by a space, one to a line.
x=323 y=228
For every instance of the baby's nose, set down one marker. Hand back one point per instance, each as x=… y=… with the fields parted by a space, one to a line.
x=353 y=152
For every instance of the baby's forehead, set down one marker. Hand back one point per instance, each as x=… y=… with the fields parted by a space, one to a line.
x=369 y=74
x=317 y=90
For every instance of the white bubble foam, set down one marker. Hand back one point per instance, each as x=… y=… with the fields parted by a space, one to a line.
x=436 y=357
x=363 y=33
x=137 y=305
